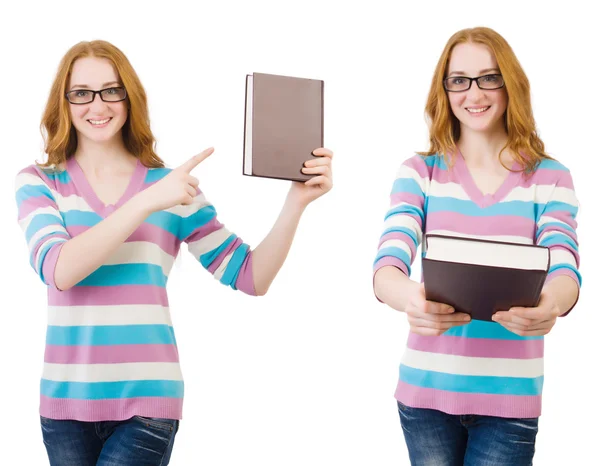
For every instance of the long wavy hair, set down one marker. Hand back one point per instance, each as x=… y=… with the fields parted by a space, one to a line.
x=60 y=137
x=444 y=127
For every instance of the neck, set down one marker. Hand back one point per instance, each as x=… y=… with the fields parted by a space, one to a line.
x=483 y=148
x=103 y=157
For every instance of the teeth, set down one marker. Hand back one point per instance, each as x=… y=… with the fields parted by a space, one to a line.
x=477 y=110
x=99 y=122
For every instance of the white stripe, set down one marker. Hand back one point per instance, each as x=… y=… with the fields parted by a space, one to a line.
x=403 y=220
x=466 y=365
x=397 y=243
x=221 y=269
x=561 y=256
x=112 y=372
x=188 y=210
x=209 y=242
x=547 y=219
x=410 y=173
x=503 y=238
x=72 y=202
x=25 y=179
x=142 y=252
x=448 y=190
x=135 y=314
x=550 y=232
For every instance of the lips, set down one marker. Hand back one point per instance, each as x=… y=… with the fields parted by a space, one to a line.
x=477 y=110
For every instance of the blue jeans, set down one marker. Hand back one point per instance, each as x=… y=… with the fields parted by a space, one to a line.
x=138 y=441
x=434 y=438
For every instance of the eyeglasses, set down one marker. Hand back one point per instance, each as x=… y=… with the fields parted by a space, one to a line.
x=85 y=96
x=487 y=82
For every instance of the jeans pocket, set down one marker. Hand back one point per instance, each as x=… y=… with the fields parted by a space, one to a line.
x=167 y=425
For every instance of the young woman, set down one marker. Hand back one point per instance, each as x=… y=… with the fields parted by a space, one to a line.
x=470 y=392
x=104 y=221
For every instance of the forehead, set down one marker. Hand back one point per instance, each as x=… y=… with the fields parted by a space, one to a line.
x=92 y=72
x=471 y=58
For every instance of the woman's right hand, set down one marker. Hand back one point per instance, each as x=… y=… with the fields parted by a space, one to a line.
x=176 y=188
x=430 y=318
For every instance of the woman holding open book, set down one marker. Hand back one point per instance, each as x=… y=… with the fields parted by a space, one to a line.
x=104 y=221
x=469 y=391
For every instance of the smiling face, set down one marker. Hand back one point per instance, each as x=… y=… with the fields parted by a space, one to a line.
x=96 y=121
x=476 y=109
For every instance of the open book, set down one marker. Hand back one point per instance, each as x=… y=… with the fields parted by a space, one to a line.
x=283 y=124
x=481 y=277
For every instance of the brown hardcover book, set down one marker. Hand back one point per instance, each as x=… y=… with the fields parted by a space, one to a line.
x=283 y=124
x=481 y=277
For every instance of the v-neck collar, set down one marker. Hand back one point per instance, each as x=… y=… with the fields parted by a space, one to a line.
x=470 y=187
x=88 y=193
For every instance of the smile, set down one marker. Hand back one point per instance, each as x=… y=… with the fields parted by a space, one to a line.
x=478 y=110
x=99 y=122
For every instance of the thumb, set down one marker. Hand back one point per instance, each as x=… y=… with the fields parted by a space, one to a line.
x=195 y=160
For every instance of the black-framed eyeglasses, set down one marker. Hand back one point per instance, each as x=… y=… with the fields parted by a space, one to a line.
x=486 y=82
x=85 y=96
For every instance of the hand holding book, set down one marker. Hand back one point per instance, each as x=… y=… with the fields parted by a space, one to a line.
x=530 y=321
x=321 y=182
x=430 y=318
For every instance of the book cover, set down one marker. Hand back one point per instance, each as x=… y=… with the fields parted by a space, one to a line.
x=481 y=277
x=283 y=124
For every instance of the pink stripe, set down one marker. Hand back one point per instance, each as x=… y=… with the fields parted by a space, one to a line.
x=545 y=176
x=103 y=295
x=204 y=230
x=217 y=262
x=497 y=225
x=36 y=171
x=146 y=232
x=477 y=347
x=245 y=279
x=409 y=198
x=389 y=260
x=117 y=409
x=109 y=354
x=560 y=272
x=33 y=203
x=49 y=264
x=418 y=164
x=560 y=229
x=402 y=237
x=469 y=403
x=563 y=216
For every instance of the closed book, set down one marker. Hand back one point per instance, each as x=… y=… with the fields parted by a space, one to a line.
x=283 y=124
x=481 y=277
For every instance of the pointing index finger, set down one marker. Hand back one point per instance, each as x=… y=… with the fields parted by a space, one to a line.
x=196 y=160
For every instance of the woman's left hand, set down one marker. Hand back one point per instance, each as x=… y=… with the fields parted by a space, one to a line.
x=305 y=193
x=530 y=321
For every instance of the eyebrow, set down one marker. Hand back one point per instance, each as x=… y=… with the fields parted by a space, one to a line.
x=85 y=86
x=482 y=72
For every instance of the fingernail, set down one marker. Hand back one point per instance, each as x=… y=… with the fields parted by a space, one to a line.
x=467 y=318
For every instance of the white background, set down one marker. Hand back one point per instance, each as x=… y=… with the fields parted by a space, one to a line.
x=306 y=374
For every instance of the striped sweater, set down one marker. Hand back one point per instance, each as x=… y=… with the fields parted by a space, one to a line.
x=478 y=368
x=111 y=351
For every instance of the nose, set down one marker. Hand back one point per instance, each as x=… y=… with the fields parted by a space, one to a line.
x=474 y=93
x=97 y=104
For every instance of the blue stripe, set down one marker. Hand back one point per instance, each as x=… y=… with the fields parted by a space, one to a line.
x=206 y=259
x=565 y=266
x=81 y=218
x=57 y=176
x=406 y=185
x=404 y=230
x=552 y=165
x=466 y=207
x=435 y=160
x=394 y=252
x=560 y=239
x=552 y=225
x=40 y=221
x=126 y=274
x=484 y=329
x=196 y=220
x=155 y=174
x=233 y=267
x=107 y=390
x=167 y=221
x=27 y=191
x=405 y=209
x=43 y=253
x=95 y=335
x=556 y=206
x=472 y=383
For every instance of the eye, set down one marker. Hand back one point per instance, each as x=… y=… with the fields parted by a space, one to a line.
x=111 y=90
x=491 y=78
x=458 y=81
x=81 y=93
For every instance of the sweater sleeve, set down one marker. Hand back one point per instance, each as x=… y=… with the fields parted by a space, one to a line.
x=405 y=218
x=219 y=251
x=557 y=230
x=41 y=222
